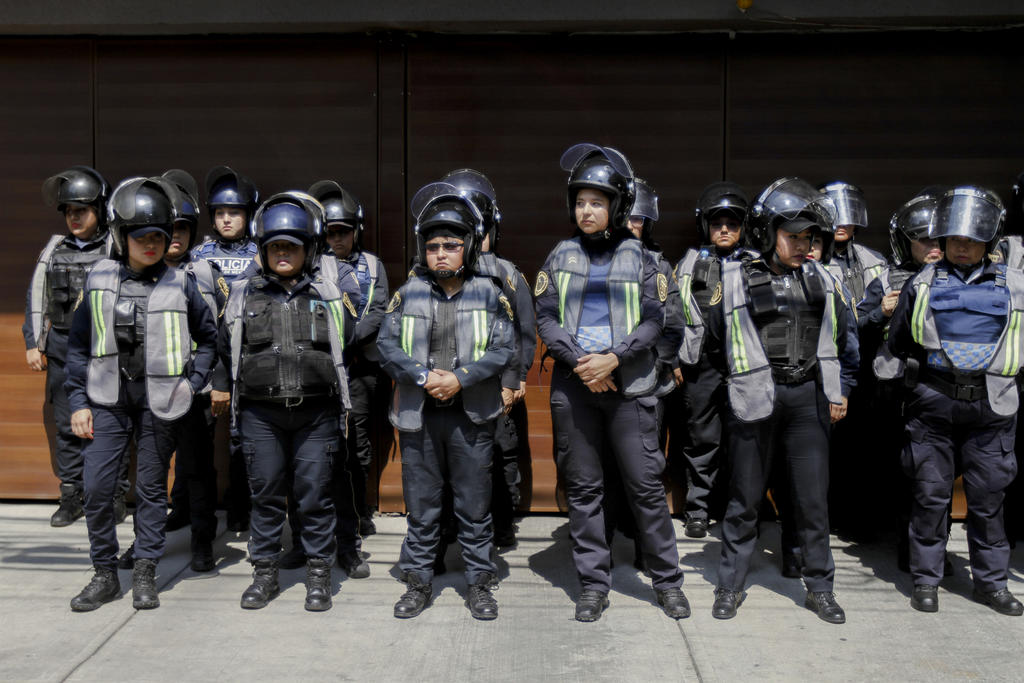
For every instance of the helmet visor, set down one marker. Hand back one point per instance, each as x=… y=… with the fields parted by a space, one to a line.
x=967 y=212
x=851 y=208
x=468 y=180
x=646 y=203
x=581 y=151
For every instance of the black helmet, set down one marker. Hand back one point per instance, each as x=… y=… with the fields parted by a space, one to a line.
x=793 y=205
x=227 y=187
x=851 y=209
x=187 y=206
x=911 y=222
x=717 y=199
x=77 y=185
x=1015 y=215
x=294 y=216
x=604 y=169
x=969 y=211
x=478 y=188
x=141 y=203
x=645 y=206
x=441 y=205
x=340 y=206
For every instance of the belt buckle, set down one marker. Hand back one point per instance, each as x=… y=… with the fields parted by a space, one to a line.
x=297 y=402
x=965 y=392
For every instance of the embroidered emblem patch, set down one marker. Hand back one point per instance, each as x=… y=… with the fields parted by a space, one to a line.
x=662 y=287
x=396 y=301
x=508 y=307
x=348 y=304
x=716 y=297
x=223 y=285
x=542 y=284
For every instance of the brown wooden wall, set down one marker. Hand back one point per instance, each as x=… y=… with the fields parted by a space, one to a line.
x=892 y=112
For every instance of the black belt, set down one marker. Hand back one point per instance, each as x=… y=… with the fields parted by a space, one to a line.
x=789 y=374
x=961 y=389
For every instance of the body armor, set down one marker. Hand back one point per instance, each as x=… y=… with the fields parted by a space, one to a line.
x=233 y=258
x=865 y=265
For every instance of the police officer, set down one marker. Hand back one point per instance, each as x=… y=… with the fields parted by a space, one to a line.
x=231 y=199
x=854 y=265
x=721 y=210
x=958 y=321
x=600 y=310
x=80 y=193
x=343 y=233
x=195 y=479
x=510 y=436
x=283 y=339
x=1011 y=246
x=445 y=340
x=130 y=372
x=789 y=340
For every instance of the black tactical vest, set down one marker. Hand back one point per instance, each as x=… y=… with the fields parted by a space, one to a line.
x=66 y=279
x=286 y=348
x=707 y=276
x=130 y=326
x=789 y=320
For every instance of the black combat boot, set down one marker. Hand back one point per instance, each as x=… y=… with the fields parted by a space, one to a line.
x=70 y=506
x=352 y=563
x=120 y=508
x=144 y=584
x=202 y=556
x=103 y=587
x=479 y=600
x=264 y=585
x=318 y=584
x=415 y=598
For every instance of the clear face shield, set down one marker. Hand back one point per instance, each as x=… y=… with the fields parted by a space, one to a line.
x=646 y=203
x=969 y=212
x=851 y=209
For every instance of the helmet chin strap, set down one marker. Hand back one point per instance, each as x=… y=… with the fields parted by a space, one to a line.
x=446 y=274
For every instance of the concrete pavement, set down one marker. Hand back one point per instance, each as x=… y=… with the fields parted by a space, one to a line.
x=200 y=634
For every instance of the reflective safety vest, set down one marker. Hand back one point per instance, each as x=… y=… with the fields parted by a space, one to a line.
x=54 y=289
x=206 y=281
x=871 y=266
x=570 y=268
x=750 y=383
x=1014 y=246
x=168 y=343
x=329 y=293
x=475 y=311
x=693 y=331
x=328 y=266
x=885 y=365
x=1005 y=363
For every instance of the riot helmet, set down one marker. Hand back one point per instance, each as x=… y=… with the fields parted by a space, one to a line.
x=604 y=169
x=968 y=211
x=187 y=206
x=717 y=199
x=478 y=188
x=911 y=222
x=792 y=205
x=81 y=185
x=851 y=208
x=227 y=187
x=440 y=206
x=645 y=207
x=340 y=206
x=292 y=216
x=141 y=203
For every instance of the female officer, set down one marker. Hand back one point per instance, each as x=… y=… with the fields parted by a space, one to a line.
x=600 y=311
x=789 y=340
x=130 y=372
x=445 y=339
x=958 y=323
x=283 y=337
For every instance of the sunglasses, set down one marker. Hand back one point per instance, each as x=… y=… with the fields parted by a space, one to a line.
x=449 y=247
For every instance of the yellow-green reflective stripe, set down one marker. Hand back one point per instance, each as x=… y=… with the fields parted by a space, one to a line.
x=479 y=334
x=684 y=294
x=833 y=316
x=369 y=298
x=98 y=325
x=172 y=343
x=873 y=271
x=1013 y=343
x=339 y=320
x=739 y=350
x=408 y=323
x=920 y=306
x=563 y=286
x=633 y=297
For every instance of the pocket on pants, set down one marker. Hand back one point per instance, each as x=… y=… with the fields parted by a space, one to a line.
x=249 y=455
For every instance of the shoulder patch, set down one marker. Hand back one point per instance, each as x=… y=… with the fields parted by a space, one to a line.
x=396 y=301
x=348 y=304
x=508 y=307
x=223 y=285
x=716 y=297
x=412 y=273
x=511 y=283
x=662 y=287
x=542 y=284
x=81 y=295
